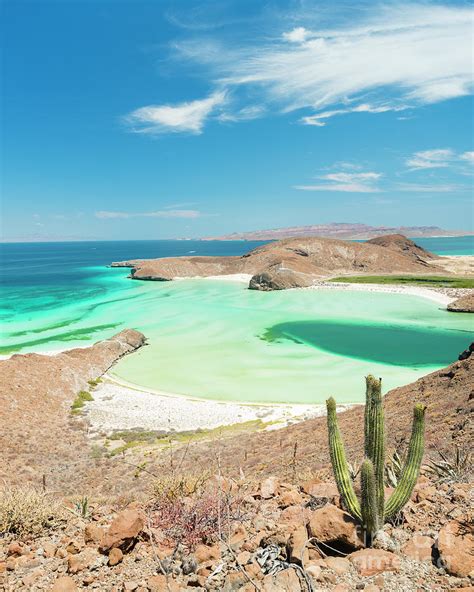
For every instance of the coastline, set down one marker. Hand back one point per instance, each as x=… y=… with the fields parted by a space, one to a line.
x=119 y=405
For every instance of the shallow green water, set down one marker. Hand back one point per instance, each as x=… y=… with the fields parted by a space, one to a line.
x=216 y=339
x=219 y=340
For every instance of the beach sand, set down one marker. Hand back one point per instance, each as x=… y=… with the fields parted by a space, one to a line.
x=121 y=406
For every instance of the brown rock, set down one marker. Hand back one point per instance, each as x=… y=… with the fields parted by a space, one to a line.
x=290 y=498
x=338 y=564
x=297 y=550
x=269 y=487
x=87 y=559
x=64 y=584
x=123 y=531
x=115 y=556
x=160 y=583
x=16 y=549
x=93 y=533
x=234 y=581
x=324 y=491
x=279 y=277
x=49 y=549
x=419 y=548
x=314 y=571
x=204 y=553
x=237 y=537
x=341 y=588
x=332 y=525
x=284 y=581
x=370 y=562
x=456 y=548
x=74 y=547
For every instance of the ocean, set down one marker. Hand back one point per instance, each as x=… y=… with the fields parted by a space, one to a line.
x=216 y=339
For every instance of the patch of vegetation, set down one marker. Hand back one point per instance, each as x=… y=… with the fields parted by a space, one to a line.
x=138 y=437
x=93 y=382
x=428 y=281
x=25 y=511
x=80 y=401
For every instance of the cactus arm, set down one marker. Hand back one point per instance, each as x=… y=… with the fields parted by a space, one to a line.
x=339 y=463
x=411 y=469
x=369 y=510
x=375 y=437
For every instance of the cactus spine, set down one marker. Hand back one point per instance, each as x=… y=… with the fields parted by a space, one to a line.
x=372 y=510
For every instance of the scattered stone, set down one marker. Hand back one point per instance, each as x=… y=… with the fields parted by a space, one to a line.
x=115 y=556
x=370 y=562
x=269 y=488
x=64 y=584
x=204 y=553
x=87 y=559
x=284 y=581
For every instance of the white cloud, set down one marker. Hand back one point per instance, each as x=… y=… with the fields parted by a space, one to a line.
x=430 y=159
x=396 y=56
x=187 y=117
x=438 y=158
x=346 y=182
x=296 y=35
x=105 y=214
x=467 y=156
x=419 y=188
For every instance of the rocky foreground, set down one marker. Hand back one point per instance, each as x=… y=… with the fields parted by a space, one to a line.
x=225 y=512
x=297 y=262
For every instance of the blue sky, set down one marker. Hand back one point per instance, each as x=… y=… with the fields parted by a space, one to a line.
x=191 y=118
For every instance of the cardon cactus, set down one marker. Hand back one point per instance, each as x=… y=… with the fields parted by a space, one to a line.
x=372 y=510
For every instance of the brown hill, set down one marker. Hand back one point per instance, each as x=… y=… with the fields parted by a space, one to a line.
x=294 y=262
x=398 y=242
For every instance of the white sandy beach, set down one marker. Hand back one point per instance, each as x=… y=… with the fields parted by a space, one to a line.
x=121 y=406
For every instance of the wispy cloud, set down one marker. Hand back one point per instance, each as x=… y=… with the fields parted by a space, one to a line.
x=392 y=57
x=106 y=214
x=432 y=188
x=438 y=158
x=346 y=182
x=188 y=117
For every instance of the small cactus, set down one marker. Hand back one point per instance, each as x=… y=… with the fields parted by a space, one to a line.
x=372 y=509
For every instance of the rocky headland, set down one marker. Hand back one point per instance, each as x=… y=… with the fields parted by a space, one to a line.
x=296 y=262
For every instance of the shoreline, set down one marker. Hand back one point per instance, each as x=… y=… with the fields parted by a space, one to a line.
x=121 y=406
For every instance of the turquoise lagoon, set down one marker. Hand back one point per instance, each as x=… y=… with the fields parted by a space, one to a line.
x=216 y=339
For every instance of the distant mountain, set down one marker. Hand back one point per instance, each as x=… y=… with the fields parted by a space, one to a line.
x=339 y=230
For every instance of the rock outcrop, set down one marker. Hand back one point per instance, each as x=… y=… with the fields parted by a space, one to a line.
x=463 y=304
x=398 y=242
x=294 y=262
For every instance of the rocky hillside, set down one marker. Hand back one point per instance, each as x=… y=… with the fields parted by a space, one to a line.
x=295 y=262
x=37 y=434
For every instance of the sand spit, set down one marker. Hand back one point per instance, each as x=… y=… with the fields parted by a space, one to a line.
x=118 y=405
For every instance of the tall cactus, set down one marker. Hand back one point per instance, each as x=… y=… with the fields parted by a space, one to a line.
x=372 y=510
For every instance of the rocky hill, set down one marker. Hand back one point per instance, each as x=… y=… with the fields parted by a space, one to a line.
x=339 y=230
x=295 y=262
x=38 y=436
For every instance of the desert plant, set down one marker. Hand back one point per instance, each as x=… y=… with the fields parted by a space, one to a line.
x=26 y=511
x=453 y=468
x=372 y=510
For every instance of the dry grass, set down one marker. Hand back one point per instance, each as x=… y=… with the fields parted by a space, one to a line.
x=26 y=511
